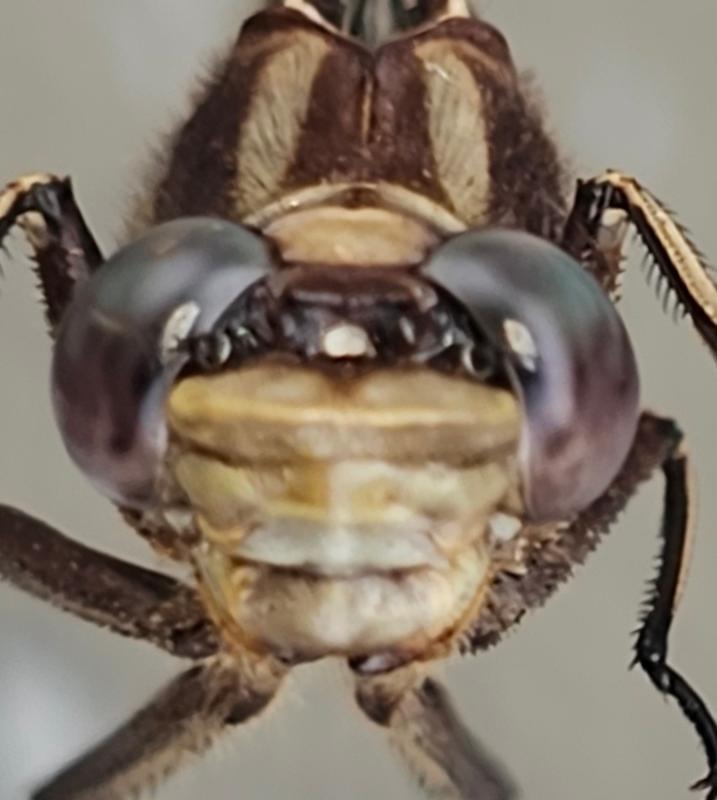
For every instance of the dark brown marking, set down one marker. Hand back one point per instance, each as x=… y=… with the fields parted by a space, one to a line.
x=201 y=171
x=332 y=146
x=399 y=139
x=527 y=177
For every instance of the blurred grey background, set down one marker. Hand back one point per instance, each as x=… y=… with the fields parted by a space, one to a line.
x=84 y=87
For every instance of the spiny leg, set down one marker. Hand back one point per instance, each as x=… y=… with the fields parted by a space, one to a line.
x=183 y=720
x=128 y=599
x=681 y=266
x=550 y=560
x=63 y=246
x=652 y=641
x=429 y=736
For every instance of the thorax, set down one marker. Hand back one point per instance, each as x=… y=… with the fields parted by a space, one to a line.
x=300 y=124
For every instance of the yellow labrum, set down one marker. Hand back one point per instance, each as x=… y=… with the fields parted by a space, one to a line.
x=281 y=413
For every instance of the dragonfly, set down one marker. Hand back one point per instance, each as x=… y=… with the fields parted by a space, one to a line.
x=358 y=366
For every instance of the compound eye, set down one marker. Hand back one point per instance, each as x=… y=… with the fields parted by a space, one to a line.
x=572 y=362
x=115 y=359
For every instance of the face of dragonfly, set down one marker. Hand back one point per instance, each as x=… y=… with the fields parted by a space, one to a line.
x=351 y=390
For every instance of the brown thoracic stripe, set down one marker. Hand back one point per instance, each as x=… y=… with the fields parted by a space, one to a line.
x=331 y=146
x=399 y=139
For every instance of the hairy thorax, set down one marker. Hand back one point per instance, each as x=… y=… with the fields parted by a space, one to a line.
x=434 y=126
x=343 y=517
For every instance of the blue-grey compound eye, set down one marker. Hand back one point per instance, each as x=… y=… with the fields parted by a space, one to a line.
x=113 y=360
x=575 y=369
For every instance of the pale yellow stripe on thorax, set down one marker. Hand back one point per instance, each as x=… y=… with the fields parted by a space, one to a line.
x=457 y=129
x=269 y=134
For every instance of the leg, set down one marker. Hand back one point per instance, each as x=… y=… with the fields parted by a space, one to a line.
x=64 y=248
x=680 y=264
x=184 y=719
x=128 y=599
x=427 y=733
x=549 y=561
x=651 y=648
